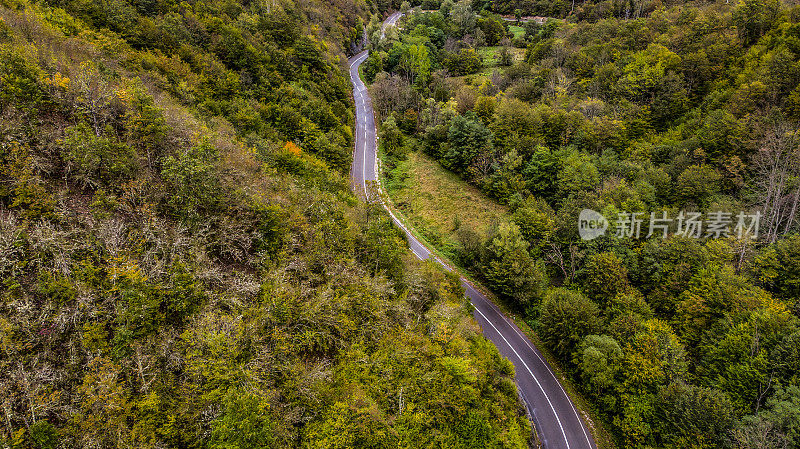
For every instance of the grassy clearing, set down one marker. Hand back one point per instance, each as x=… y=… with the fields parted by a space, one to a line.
x=517 y=31
x=491 y=55
x=437 y=202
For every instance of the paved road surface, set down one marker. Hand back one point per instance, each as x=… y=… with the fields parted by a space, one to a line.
x=556 y=419
x=389 y=22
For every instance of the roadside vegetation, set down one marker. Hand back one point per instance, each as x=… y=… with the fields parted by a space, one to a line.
x=637 y=108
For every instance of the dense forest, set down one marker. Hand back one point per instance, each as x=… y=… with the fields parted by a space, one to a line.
x=662 y=110
x=182 y=263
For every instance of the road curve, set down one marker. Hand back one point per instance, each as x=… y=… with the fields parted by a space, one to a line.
x=556 y=418
x=389 y=22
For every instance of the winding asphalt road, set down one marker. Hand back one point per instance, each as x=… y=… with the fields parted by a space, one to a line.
x=556 y=418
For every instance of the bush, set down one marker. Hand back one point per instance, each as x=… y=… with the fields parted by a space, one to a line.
x=19 y=81
x=392 y=138
x=192 y=177
x=146 y=126
x=372 y=66
x=566 y=317
x=97 y=161
x=465 y=62
x=5 y=32
x=44 y=435
x=24 y=188
x=698 y=184
x=509 y=268
x=605 y=277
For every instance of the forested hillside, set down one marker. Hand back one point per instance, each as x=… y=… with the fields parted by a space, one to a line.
x=182 y=263
x=679 y=338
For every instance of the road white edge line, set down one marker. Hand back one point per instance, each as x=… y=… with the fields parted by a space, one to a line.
x=544 y=362
x=564 y=434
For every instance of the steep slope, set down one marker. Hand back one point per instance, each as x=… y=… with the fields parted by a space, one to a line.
x=182 y=262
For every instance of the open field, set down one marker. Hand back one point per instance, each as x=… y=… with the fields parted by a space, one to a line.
x=491 y=55
x=437 y=202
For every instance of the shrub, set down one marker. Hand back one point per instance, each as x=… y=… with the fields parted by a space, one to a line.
x=192 y=177
x=566 y=317
x=19 y=81
x=605 y=276
x=509 y=268
x=699 y=184
x=97 y=161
